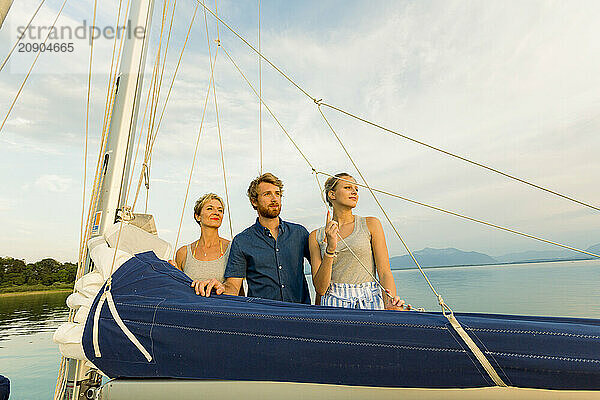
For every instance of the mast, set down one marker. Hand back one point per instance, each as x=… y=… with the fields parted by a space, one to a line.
x=117 y=157
x=121 y=134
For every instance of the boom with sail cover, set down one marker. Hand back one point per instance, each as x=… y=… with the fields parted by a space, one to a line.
x=237 y=338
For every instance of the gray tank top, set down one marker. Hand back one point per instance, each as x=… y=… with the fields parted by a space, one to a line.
x=346 y=269
x=203 y=270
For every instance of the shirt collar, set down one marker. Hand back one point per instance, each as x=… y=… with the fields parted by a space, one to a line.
x=260 y=228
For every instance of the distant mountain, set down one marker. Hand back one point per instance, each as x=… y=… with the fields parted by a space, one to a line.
x=547 y=255
x=594 y=249
x=429 y=257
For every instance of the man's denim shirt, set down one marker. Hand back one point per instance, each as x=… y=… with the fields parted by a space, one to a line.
x=274 y=269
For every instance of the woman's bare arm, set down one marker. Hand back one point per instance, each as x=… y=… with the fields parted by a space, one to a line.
x=180 y=257
x=382 y=262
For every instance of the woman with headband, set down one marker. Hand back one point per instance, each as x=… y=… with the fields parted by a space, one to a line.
x=349 y=252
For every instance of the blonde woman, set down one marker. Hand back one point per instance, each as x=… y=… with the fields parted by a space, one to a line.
x=338 y=276
x=205 y=258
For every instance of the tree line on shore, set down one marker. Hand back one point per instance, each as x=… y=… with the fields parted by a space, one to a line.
x=46 y=272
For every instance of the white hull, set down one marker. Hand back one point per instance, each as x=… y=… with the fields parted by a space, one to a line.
x=149 y=389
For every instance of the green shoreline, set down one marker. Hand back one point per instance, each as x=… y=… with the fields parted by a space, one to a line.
x=34 y=289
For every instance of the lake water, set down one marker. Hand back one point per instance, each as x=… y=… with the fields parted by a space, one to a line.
x=30 y=359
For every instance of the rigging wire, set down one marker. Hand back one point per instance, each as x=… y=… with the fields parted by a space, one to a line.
x=92 y=205
x=320 y=102
x=176 y=70
x=268 y=109
x=164 y=62
x=32 y=65
x=111 y=89
x=153 y=106
x=85 y=147
x=456 y=214
x=109 y=100
x=158 y=90
x=187 y=189
x=255 y=50
x=60 y=381
x=22 y=35
x=212 y=72
x=467 y=160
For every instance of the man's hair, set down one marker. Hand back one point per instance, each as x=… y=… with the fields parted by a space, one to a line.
x=332 y=182
x=266 y=177
x=201 y=202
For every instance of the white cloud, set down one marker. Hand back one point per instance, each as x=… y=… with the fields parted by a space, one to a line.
x=54 y=183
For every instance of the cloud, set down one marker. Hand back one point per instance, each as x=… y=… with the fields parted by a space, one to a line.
x=54 y=183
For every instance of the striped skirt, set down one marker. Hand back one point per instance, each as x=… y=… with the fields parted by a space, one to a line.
x=366 y=296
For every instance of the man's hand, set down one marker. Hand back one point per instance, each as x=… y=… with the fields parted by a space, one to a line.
x=204 y=288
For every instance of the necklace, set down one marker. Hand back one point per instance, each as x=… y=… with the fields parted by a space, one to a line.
x=204 y=250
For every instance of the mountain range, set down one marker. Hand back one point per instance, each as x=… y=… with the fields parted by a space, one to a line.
x=429 y=257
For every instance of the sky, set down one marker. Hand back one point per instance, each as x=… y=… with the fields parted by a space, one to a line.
x=510 y=84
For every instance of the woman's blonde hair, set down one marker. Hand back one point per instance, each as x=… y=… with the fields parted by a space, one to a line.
x=201 y=202
x=331 y=183
x=266 y=177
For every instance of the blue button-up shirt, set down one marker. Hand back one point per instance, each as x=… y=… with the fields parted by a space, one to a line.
x=274 y=269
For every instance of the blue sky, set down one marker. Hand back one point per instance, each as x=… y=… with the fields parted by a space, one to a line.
x=511 y=84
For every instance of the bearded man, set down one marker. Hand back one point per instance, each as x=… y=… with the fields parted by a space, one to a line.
x=269 y=254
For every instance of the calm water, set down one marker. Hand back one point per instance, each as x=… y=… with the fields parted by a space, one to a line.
x=30 y=359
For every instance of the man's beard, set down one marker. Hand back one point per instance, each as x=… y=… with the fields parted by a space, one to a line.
x=268 y=211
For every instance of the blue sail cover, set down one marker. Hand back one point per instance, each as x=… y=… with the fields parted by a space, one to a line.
x=239 y=338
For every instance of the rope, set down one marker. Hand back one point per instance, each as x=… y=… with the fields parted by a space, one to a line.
x=268 y=109
x=448 y=153
x=32 y=65
x=469 y=218
x=260 y=135
x=22 y=34
x=218 y=122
